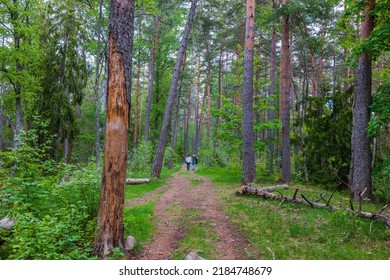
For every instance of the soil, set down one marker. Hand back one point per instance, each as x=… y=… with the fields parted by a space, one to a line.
x=179 y=196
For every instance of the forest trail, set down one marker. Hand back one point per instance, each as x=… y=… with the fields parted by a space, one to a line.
x=173 y=219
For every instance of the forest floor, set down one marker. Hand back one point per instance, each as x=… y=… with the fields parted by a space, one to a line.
x=190 y=200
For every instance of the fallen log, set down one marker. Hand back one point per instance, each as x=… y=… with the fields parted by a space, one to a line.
x=264 y=192
x=130 y=181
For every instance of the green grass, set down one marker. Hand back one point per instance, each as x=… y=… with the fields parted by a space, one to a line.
x=139 y=223
x=134 y=191
x=296 y=231
x=199 y=237
x=139 y=220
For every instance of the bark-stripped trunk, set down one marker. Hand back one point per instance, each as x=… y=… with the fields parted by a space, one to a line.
x=110 y=216
x=151 y=78
x=248 y=162
x=271 y=133
x=96 y=89
x=158 y=161
x=360 y=179
x=285 y=71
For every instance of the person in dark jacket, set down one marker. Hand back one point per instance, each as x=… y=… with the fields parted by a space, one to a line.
x=194 y=162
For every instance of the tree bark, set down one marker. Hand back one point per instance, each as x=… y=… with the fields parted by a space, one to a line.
x=360 y=178
x=110 y=216
x=271 y=133
x=248 y=161
x=187 y=122
x=135 y=130
x=1 y=118
x=197 y=121
x=176 y=116
x=151 y=78
x=158 y=161
x=285 y=71
x=17 y=86
x=96 y=89
x=131 y=181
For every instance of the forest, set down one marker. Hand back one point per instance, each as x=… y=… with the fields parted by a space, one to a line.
x=282 y=105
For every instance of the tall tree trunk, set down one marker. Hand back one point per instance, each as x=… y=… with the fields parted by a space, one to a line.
x=187 y=122
x=197 y=120
x=110 y=216
x=17 y=86
x=360 y=179
x=140 y=113
x=176 y=116
x=346 y=72
x=151 y=78
x=135 y=131
x=96 y=89
x=271 y=133
x=158 y=161
x=248 y=161
x=1 y=118
x=219 y=102
x=285 y=66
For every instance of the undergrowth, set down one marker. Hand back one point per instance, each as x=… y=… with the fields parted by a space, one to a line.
x=288 y=231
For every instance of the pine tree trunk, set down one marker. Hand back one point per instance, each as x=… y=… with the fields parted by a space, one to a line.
x=135 y=130
x=158 y=161
x=187 y=122
x=360 y=179
x=18 y=91
x=96 y=89
x=197 y=120
x=151 y=78
x=285 y=65
x=248 y=162
x=110 y=216
x=176 y=116
x=1 y=119
x=271 y=133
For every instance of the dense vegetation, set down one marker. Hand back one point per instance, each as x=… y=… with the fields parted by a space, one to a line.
x=53 y=88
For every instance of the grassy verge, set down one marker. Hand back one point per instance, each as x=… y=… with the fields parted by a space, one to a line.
x=292 y=231
x=139 y=223
x=199 y=237
x=134 y=191
x=139 y=220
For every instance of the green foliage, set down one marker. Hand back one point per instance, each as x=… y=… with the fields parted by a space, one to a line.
x=55 y=205
x=66 y=72
x=327 y=118
x=141 y=158
x=381 y=179
x=381 y=109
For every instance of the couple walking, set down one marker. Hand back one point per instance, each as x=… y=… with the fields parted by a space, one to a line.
x=193 y=160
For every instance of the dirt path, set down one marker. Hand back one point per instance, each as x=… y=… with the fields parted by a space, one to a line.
x=171 y=208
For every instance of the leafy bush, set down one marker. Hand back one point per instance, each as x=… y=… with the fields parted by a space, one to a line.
x=54 y=205
x=141 y=158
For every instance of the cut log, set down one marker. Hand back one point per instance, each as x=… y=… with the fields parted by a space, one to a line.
x=264 y=192
x=130 y=181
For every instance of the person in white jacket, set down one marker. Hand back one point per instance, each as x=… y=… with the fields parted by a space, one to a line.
x=188 y=161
